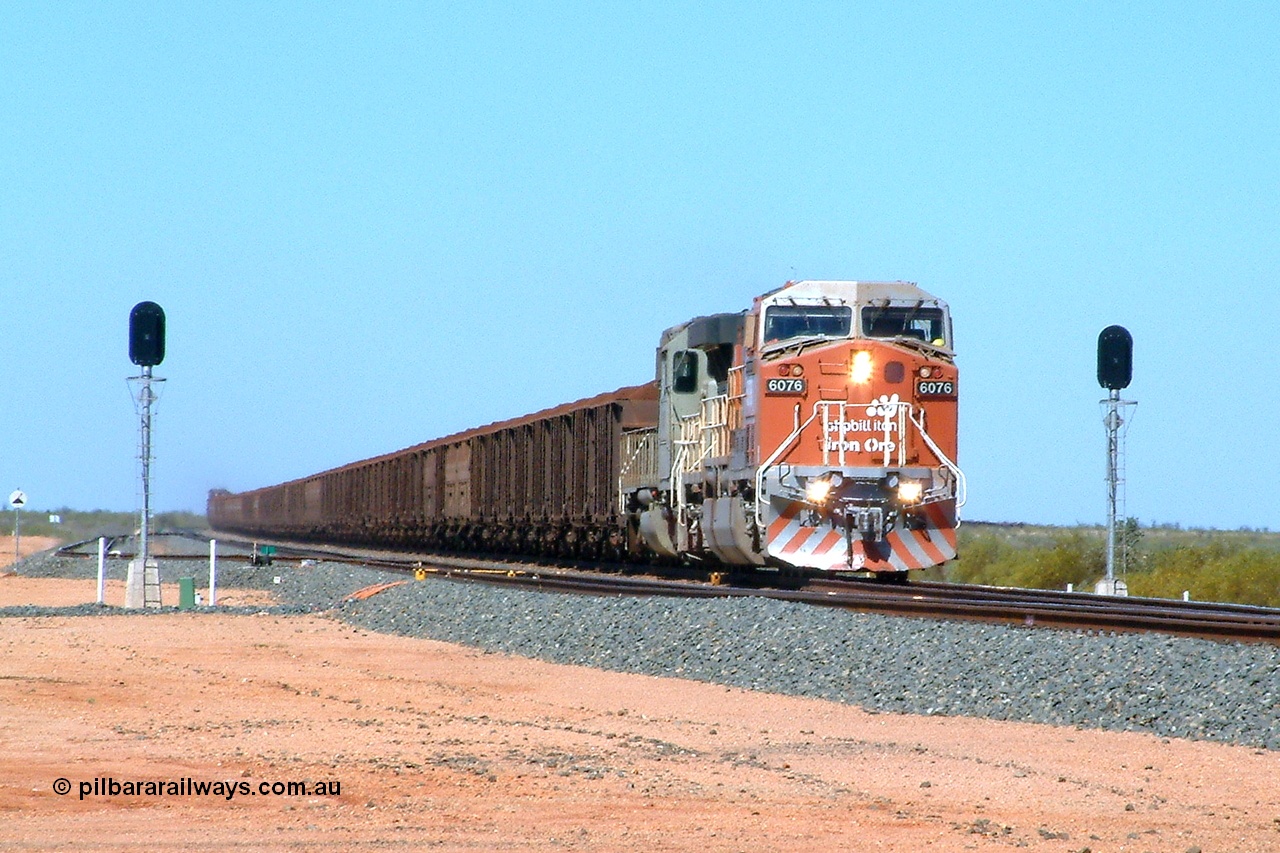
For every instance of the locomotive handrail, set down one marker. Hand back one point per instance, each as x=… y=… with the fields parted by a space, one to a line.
x=903 y=411
x=643 y=440
x=773 y=457
x=962 y=484
x=690 y=436
x=714 y=433
x=901 y=407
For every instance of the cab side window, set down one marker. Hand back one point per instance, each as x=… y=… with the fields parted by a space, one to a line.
x=684 y=372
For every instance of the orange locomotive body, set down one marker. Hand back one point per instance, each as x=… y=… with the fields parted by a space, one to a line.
x=816 y=431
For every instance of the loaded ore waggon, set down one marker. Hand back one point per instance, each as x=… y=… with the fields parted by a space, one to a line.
x=542 y=484
x=815 y=431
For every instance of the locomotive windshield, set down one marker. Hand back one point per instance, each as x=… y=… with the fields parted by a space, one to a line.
x=807 y=321
x=923 y=324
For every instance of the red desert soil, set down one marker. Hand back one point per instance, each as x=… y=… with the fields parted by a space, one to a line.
x=444 y=747
x=27 y=545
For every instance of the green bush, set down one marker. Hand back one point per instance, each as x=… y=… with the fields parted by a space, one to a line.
x=978 y=554
x=1212 y=565
x=1071 y=556
x=1075 y=558
x=1214 y=572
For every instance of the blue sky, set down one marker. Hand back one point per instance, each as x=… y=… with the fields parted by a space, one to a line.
x=374 y=224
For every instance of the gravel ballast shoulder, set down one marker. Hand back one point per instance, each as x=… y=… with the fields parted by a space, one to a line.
x=1167 y=686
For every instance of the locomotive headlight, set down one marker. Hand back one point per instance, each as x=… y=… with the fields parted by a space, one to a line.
x=861 y=369
x=817 y=491
x=909 y=491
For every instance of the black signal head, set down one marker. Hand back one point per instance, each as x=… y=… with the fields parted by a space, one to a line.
x=146 y=334
x=1115 y=358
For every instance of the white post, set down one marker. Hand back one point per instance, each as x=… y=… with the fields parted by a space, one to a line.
x=144 y=548
x=142 y=584
x=1113 y=451
x=1114 y=421
x=213 y=572
x=102 y=570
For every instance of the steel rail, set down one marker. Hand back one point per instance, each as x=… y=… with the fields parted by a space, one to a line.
x=1027 y=608
x=1140 y=615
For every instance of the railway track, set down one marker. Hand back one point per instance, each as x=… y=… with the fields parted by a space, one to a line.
x=1027 y=608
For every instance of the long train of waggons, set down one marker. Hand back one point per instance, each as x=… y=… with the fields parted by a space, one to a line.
x=815 y=431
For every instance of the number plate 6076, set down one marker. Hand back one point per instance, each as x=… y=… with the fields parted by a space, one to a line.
x=787 y=386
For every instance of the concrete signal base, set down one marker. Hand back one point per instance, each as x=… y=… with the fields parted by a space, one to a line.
x=142 y=588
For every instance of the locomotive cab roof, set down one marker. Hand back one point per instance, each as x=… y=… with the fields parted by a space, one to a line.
x=712 y=330
x=837 y=310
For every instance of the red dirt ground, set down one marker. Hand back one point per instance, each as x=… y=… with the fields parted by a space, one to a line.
x=27 y=545
x=444 y=747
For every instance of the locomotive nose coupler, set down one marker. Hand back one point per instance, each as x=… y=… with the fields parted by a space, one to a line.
x=868 y=521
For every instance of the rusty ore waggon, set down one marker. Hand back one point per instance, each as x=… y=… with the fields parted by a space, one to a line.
x=816 y=431
x=542 y=484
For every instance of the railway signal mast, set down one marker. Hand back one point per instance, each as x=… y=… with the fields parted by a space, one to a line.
x=146 y=349
x=1115 y=371
x=17 y=500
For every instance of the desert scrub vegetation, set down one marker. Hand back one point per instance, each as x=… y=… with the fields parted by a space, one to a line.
x=1213 y=572
x=1242 y=566
x=79 y=525
x=1070 y=556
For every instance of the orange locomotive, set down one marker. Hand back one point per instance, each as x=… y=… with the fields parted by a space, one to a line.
x=816 y=431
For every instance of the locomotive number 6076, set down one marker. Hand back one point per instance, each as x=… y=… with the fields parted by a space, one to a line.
x=785 y=386
x=936 y=388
